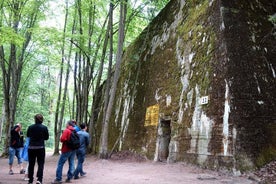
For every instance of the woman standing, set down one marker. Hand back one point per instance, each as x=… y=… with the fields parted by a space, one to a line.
x=38 y=133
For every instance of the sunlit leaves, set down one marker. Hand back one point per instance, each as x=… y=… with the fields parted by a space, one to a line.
x=7 y=36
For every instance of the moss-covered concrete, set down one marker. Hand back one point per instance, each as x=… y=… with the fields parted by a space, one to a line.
x=218 y=49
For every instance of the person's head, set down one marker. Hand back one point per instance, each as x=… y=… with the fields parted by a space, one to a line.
x=19 y=129
x=70 y=123
x=38 y=118
x=16 y=128
x=74 y=122
x=83 y=126
x=19 y=125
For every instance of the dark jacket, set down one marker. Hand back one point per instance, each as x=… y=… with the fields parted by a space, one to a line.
x=38 y=133
x=15 y=140
x=21 y=139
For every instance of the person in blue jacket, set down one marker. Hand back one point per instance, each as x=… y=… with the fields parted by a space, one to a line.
x=81 y=152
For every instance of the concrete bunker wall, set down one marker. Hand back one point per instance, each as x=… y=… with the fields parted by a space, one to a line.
x=205 y=71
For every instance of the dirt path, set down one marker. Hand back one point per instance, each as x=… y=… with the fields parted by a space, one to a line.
x=128 y=172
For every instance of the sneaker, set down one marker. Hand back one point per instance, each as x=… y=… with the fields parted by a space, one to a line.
x=10 y=172
x=56 y=182
x=22 y=171
x=67 y=180
x=76 y=177
x=83 y=174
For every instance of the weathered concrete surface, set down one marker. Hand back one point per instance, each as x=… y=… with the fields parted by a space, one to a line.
x=207 y=68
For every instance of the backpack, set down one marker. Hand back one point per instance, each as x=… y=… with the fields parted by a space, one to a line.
x=74 y=140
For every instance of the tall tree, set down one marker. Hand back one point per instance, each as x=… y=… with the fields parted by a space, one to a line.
x=97 y=92
x=18 y=18
x=62 y=94
x=110 y=100
x=84 y=65
x=103 y=150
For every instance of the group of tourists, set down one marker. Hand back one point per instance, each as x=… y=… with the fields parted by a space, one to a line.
x=33 y=150
x=69 y=154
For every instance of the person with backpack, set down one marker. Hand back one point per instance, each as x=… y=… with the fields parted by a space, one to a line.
x=38 y=134
x=84 y=142
x=67 y=153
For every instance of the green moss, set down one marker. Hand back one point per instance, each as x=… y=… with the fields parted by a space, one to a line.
x=267 y=155
x=192 y=21
x=195 y=29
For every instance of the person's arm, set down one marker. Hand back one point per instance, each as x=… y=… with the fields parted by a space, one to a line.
x=64 y=135
x=13 y=140
x=46 y=134
x=87 y=140
x=21 y=138
x=28 y=132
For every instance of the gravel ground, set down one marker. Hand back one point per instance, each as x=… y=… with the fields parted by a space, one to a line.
x=267 y=174
x=128 y=168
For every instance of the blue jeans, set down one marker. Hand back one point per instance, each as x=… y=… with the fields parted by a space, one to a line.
x=70 y=156
x=80 y=157
x=15 y=152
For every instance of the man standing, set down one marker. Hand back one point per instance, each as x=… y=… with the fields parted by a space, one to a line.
x=84 y=142
x=37 y=133
x=66 y=154
x=15 y=148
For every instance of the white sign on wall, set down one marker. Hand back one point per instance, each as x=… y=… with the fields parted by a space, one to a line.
x=204 y=100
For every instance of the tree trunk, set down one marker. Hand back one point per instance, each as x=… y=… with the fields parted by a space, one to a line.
x=2 y=120
x=58 y=122
x=82 y=70
x=103 y=153
x=94 y=112
x=123 y=12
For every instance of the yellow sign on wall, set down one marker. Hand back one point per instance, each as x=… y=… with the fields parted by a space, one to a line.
x=152 y=115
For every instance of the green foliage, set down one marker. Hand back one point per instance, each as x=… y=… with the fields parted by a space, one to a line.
x=7 y=36
x=272 y=18
x=139 y=15
x=152 y=8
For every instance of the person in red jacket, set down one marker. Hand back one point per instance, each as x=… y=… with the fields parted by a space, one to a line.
x=66 y=154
